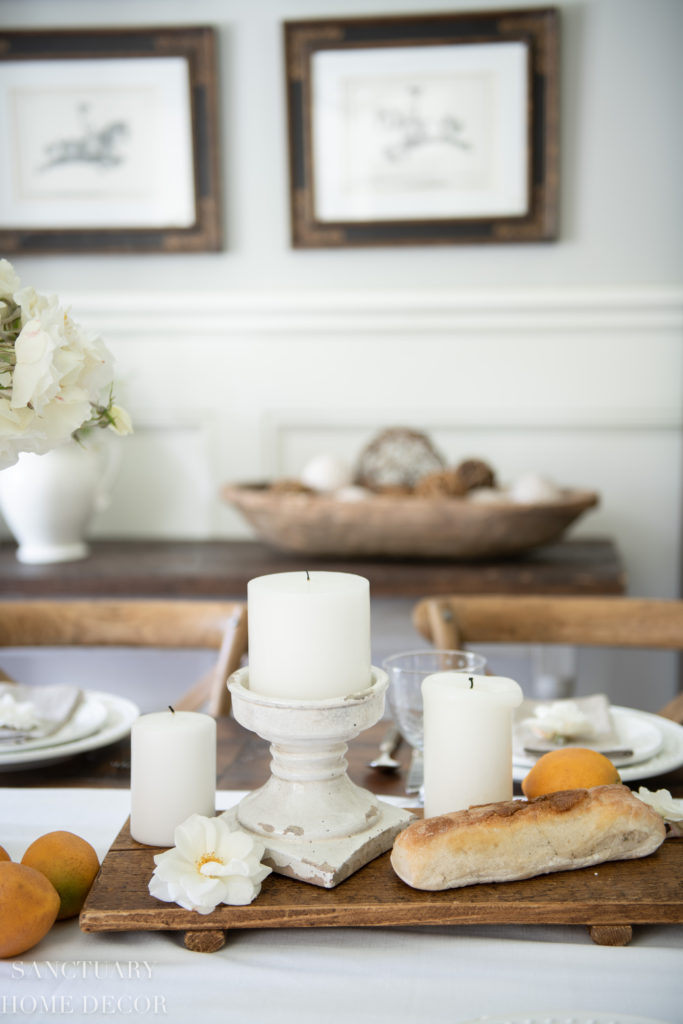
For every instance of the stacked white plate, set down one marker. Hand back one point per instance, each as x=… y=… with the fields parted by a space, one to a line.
x=100 y=718
x=655 y=745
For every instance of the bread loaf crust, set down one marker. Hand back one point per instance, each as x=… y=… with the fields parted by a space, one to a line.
x=519 y=839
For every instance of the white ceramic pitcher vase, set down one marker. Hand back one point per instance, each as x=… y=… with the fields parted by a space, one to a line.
x=48 y=501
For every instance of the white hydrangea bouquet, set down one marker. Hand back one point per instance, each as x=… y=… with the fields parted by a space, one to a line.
x=56 y=379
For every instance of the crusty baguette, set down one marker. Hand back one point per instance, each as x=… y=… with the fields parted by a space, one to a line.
x=519 y=839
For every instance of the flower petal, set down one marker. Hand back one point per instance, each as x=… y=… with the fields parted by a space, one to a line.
x=190 y=837
x=239 y=892
x=662 y=802
x=235 y=845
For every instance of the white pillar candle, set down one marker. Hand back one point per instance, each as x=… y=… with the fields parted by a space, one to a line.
x=309 y=635
x=467 y=740
x=172 y=773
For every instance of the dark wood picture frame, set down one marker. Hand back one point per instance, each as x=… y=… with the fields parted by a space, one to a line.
x=536 y=29
x=200 y=230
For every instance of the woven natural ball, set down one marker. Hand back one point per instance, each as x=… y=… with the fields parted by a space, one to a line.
x=445 y=484
x=397 y=458
x=473 y=473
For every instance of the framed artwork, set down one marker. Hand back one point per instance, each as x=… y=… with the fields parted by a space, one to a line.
x=424 y=129
x=110 y=141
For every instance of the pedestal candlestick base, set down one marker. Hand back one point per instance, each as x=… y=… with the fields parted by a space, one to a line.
x=327 y=862
x=315 y=824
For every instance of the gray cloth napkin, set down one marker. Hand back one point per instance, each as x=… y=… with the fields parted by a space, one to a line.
x=547 y=725
x=42 y=710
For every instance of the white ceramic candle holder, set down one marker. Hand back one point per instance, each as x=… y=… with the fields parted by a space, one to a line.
x=316 y=824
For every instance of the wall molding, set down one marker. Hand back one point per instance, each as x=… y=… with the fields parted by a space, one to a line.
x=427 y=312
x=492 y=419
x=341 y=428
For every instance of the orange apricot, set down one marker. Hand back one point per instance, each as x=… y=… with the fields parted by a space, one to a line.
x=69 y=862
x=29 y=904
x=569 y=768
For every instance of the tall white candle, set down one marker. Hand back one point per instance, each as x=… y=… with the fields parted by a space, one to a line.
x=172 y=773
x=309 y=635
x=467 y=740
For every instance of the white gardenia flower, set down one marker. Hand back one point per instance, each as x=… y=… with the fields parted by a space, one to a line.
x=56 y=378
x=14 y=429
x=60 y=419
x=560 y=719
x=9 y=279
x=12 y=421
x=662 y=802
x=95 y=365
x=36 y=377
x=121 y=422
x=17 y=714
x=209 y=864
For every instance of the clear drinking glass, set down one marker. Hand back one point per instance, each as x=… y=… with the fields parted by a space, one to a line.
x=406 y=672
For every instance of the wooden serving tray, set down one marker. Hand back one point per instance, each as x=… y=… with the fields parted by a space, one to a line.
x=607 y=898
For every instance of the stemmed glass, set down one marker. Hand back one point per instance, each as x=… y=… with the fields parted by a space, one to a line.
x=406 y=671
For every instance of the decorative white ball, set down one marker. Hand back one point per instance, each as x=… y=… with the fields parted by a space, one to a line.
x=532 y=487
x=486 y=496
x=326 y=473
x=352 y=493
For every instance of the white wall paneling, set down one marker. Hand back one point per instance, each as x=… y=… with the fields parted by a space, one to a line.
x=582 y=384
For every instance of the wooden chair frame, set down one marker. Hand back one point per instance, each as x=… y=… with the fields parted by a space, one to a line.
x=452 y=622
x=171 y=624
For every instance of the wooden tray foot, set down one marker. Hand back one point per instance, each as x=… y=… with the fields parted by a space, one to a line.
x=611 y=934
x=205 y=942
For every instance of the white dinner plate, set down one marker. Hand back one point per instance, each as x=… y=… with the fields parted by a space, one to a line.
x=120 y=715
x=634 y=730
x=88 y=717
x=668 y=757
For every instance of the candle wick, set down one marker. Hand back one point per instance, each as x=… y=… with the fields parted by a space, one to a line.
x=171 y=709
x=471 y=683
x=308 y=576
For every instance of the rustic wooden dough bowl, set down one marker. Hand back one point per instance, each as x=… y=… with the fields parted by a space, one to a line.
x=403 y=526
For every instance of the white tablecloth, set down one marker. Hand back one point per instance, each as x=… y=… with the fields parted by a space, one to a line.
x=337 y=975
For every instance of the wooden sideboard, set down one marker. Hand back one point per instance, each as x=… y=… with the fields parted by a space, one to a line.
x=221 y=568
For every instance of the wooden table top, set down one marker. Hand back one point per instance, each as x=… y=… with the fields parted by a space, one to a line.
x=243 y=763
x=222 y=568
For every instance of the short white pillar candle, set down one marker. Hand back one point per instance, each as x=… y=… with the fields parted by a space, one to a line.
x=467 y=740
x=309 y=635
x=172 y=773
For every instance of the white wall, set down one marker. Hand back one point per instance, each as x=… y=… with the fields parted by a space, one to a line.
x=563 y=357
x=620 y=137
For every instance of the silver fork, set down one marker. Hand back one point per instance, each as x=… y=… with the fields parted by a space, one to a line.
x=390 y=742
